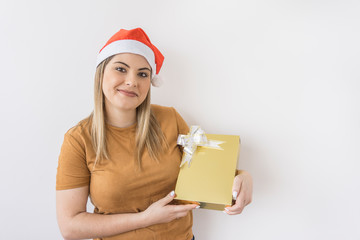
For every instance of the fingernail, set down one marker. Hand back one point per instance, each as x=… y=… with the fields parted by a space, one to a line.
x=197 y=206
x=234 y=195
x=172 y=193
x=227 y=208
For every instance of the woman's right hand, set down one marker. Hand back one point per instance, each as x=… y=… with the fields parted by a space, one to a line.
x=161 y=212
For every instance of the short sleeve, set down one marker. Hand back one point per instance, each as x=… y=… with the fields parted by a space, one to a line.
x=183 y=128
x=72 y=171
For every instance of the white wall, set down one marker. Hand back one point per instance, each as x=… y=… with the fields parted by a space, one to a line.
x=284 y=75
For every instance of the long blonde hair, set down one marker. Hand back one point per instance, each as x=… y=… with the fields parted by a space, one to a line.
x=148 y=131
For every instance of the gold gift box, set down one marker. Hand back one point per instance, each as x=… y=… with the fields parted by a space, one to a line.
x=210 y=176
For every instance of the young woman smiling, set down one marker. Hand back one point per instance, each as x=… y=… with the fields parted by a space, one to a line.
x=125 y=154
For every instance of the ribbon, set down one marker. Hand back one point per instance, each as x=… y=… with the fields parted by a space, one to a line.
x=196 y=137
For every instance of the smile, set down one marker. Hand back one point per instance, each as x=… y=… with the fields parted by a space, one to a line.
x=127 y=93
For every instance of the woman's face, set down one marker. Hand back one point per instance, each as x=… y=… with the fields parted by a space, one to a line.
x=126 y=82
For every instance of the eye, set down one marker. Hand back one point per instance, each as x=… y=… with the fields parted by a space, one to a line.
x=120 y=69
x=143 y=74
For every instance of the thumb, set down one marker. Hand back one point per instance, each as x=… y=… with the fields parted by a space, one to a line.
x=168 y=198
x=236 y=187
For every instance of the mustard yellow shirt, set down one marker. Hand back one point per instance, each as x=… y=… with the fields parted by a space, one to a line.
x=116 y=185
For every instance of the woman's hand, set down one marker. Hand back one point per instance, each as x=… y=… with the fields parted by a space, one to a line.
x=161 y=212
x=242 y=193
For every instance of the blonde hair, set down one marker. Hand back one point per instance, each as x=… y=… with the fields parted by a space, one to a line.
x=148 y=131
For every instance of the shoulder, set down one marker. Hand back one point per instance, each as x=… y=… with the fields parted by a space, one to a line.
x=81 y=129
x=161 y=111
x=169 y=116
x=77 y=138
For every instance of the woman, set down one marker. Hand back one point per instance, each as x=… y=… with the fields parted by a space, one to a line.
x=124 y=155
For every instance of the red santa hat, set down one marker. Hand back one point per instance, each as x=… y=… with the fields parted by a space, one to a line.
x=134 y=41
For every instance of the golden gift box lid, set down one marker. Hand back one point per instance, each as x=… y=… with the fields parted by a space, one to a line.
x=210 y=176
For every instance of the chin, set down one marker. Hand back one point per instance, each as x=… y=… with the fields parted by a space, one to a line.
x=128 y=107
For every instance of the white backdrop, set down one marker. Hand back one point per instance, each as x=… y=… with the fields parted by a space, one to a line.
x=281 y=74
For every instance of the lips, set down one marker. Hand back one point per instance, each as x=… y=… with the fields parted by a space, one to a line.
x=128 y=93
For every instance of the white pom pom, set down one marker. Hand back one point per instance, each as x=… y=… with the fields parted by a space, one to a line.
x=157 y=81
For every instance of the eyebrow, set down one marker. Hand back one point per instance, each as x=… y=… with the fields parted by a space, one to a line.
x=145 y=68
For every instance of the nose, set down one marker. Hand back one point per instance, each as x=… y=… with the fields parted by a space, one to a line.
x=131 y=80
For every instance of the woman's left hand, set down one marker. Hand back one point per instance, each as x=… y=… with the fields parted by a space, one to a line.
x=242 y=192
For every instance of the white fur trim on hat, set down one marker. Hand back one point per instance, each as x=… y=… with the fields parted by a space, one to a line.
x=128 y=46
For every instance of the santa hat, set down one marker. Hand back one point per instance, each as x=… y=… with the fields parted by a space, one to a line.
x=134 y=41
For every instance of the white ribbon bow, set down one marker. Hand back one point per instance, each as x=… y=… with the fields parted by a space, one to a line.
x=191 y=141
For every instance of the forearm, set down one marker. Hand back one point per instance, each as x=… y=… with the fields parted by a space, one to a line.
x=91 y=225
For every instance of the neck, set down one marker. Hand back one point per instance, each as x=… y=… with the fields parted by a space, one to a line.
x=120 y=118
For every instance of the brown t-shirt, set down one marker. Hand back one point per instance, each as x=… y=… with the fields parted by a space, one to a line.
x=116 y=184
